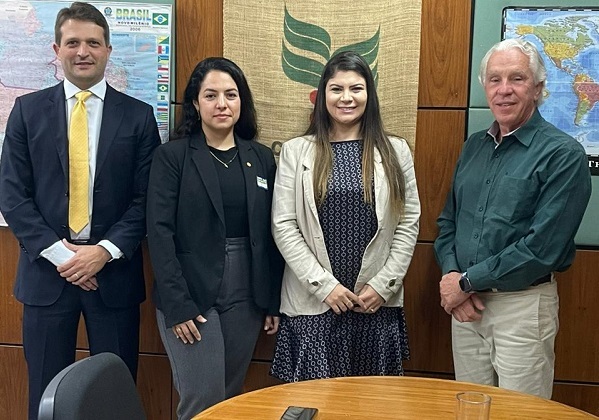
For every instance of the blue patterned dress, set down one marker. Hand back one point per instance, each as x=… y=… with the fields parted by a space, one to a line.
x=350 y=344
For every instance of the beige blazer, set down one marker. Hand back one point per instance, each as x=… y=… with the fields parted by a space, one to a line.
x=308 y=277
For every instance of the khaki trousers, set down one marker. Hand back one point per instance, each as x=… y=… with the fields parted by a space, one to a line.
x=512 y=346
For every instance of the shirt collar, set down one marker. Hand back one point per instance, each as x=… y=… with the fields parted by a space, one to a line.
x=524 y=134
x=99 y=89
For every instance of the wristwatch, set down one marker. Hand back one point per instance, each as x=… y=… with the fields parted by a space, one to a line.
x=465 y=284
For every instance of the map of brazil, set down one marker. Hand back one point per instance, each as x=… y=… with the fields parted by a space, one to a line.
x=139 y=65
x=569 y=43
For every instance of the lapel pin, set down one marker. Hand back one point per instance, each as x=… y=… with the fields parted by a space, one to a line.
x=248 y=164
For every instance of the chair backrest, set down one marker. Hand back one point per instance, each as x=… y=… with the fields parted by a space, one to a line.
x=99 y=387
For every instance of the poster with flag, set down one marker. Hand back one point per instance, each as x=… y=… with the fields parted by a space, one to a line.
x=141 y=34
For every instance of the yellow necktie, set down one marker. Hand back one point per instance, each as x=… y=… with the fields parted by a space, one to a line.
x=79 y=165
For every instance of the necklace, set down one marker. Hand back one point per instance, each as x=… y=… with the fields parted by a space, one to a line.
x=225 y=164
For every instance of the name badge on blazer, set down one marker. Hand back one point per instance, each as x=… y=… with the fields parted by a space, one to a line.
x=262 y=183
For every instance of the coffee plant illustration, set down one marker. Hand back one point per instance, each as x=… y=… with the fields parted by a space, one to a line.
x=316 y=41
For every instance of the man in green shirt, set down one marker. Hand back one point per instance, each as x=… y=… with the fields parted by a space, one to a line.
x=519 y=192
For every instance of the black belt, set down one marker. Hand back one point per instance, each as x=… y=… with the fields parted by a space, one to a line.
x=80 y=241
x=544 y=279
x=540 y=280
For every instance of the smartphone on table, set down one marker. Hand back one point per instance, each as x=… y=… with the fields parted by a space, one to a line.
x=299 y=413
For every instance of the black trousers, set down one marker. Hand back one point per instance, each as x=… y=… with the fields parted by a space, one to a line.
x=50 y=336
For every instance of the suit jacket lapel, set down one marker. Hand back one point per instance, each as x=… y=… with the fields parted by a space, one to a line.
x=200 y=155
x=112 y=115
x=55 y=110
x=248 y=166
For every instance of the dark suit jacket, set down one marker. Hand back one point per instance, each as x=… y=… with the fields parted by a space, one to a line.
x=186 y=228
x=34 y=191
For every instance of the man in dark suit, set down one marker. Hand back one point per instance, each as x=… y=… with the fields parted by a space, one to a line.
x=80 y=246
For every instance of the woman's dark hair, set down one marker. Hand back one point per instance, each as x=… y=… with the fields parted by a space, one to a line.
x=371 y=131
x=246 y=127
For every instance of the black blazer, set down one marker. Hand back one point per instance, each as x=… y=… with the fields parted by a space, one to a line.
x=186 y=228
x=34 y=187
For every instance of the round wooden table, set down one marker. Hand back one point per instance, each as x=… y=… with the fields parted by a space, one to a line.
x=377 y=397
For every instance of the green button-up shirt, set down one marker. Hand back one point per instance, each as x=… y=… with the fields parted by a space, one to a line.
x=514 y=208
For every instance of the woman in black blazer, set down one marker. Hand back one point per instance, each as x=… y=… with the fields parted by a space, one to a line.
x=217 y=270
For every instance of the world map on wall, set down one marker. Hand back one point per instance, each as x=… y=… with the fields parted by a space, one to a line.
x=568 y=40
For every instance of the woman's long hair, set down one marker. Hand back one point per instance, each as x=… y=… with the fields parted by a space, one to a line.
x=371 y=130
x=246 y=127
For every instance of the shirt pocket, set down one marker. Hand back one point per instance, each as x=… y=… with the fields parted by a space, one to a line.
x=515 y=198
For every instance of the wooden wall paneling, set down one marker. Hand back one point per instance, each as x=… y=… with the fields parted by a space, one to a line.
x=258 y=377
x=11 y=311
x=199 y=26
x=439 y=140
x=174 y=403
x=154 y=383
x=265 y=347
x=447 y=376
x=178 y=113
x=429 y=327
x=444 y=53
x=577 y=341
x=82 y=342
x=149 y=337
x=584 y=397
x=13 y=386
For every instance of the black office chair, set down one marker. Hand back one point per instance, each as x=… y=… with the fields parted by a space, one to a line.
x=99 y=387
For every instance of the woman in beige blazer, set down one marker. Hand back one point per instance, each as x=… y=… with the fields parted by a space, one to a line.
x=345 y=218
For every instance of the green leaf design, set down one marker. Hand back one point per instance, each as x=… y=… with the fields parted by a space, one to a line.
x=312 y=38
x=301 y=69
x=369 y=50
x=375 y=74
x=307 y=36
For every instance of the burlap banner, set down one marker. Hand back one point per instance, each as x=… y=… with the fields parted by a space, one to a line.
x=282 y=48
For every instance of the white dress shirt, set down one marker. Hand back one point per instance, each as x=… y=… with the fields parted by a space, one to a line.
x=58 y=253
